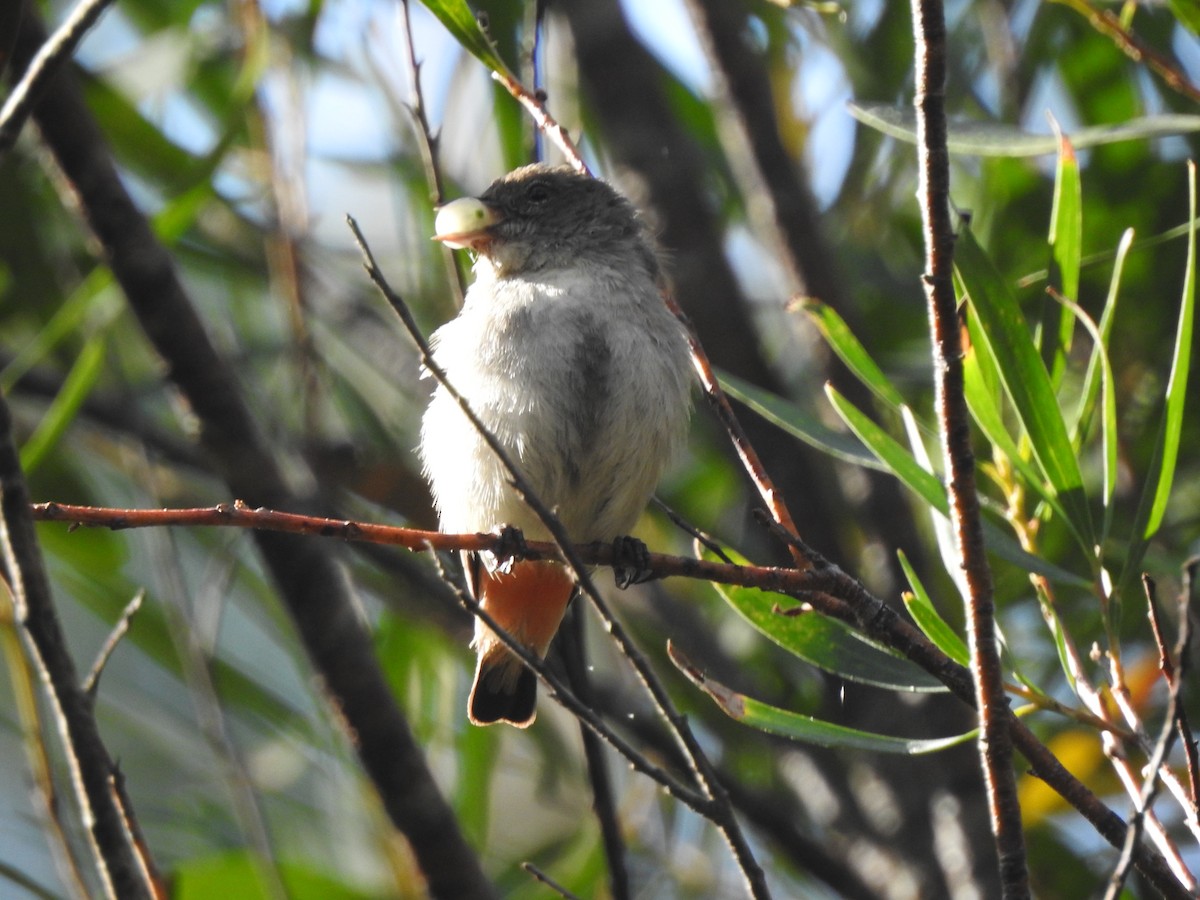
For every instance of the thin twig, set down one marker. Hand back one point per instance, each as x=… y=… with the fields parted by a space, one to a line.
x=535 y=105
x=720 y=812
x=52 y=55
x=1162 y=746
x=995 y=742
x=110 y=644
x=427 y=145
x=703 y=538
x=737 y=436
x=1168 y=671
x=574 y=658
x=548 y=881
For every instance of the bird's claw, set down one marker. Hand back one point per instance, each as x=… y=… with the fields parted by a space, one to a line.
x=631 y=561
x=510 y=547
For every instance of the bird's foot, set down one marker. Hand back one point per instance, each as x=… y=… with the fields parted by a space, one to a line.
x=510 y=547
x=631 y=561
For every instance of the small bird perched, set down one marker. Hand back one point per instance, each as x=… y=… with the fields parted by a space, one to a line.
x=566 y=352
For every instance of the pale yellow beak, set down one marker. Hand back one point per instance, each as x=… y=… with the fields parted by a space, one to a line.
x=464 y=223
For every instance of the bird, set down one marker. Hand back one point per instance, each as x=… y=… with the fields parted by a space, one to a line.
x=567 y=353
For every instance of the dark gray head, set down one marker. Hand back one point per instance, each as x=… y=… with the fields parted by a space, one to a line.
x=542 y=217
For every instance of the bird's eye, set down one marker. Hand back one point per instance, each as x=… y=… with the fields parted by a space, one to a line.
x=538 y=193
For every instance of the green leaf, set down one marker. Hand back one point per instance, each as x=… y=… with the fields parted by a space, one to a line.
x=243 y=874
x=891 y=453
x=804 y=728
x=458 y=19
x=1161 y=475
x=848 y=348
x=983 y=398
x=921 y=608
x=1066 y=243
x=796 y=422
x=996 y=139
x=1097 y=370
x=1187 y=12
x=1108 y=402
x=75 y=390
x=1066 y=220
x=901 y=463
x=1003 y=331
x=825 y=643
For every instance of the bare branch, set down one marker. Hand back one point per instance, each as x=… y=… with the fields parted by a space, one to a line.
x=995 y=743
x=110 y=643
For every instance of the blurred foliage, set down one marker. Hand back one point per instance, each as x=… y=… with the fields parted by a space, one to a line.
x=246 y=131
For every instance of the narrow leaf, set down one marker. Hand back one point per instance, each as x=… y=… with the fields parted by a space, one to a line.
x=796 y=422
x=804 y=728
x=1159 y=479
x=826 y=643
x=1025 y=379
x=901 y=463
x=998 y=139
x=65 y=406
x=921 y=608
x=458 y=19
x=890 y=452
x=1066 y=250
x=848 y=348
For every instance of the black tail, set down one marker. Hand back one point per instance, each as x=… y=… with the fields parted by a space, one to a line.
x=504 y=691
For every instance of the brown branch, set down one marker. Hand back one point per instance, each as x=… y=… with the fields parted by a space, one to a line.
x=546 y=123
x=1108 y=24
x=827 y=589
x=757 y=472
x=309 y=580
x=995 y=742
